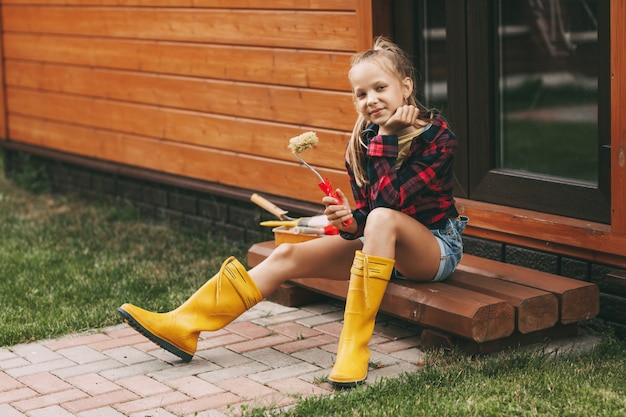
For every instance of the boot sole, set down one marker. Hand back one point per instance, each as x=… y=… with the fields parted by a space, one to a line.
x=346 y=385
x=128 y=319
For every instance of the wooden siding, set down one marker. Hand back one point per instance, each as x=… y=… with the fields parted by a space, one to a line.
x=211 y=90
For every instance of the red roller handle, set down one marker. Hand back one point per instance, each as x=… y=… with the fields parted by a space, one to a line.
x=328 y=189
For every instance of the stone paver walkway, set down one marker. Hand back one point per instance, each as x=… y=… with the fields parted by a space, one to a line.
x=270 y=357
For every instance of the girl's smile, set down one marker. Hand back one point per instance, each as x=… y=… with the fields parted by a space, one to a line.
x=377 y=93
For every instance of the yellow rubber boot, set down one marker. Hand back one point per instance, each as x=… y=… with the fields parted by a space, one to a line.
x=369 y=276
x=218 y=302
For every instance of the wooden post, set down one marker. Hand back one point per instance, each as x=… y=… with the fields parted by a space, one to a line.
x=618 y=124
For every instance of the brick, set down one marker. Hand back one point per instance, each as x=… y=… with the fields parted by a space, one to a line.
x=87 y=368
x=160 y=400
x=233 y=372
x=71 y=341
x=223 y=357
x=102 y=400
x=316 y=356
x=52 y=411
x=305 y=344
x=212 y=209
x=49 y=399
x=194 y=387
x=248 y=330
x=93 y=384
x=397 y=345
x=201 y=404
x=35 y=352
x=128 y=355
x=40 y=367
x=45 y=383
x=272 y=358
x=575 y=268
x=532 y=259
x=7 y=411
x=284 y=372
x=178 y=201
x=245 y=388
x=255 y=344
x=16 y=395
x=82 y=354
x=483 y=248
x=296 y=386
x=294 y=330
x=8 y=383
x=143 y=385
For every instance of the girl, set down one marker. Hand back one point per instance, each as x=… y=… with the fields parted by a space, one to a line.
x=399 y=161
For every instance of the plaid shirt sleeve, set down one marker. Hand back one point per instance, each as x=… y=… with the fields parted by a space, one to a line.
x=421 y=187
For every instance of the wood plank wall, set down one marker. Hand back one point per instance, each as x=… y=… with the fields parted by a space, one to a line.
x=206 y=89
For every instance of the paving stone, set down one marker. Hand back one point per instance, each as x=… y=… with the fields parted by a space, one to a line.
x=316 y=356
x=45 y=383
x=194 y=387
x=272 y=358
x=284 y=372
x=146 y=403
x=8 y=383
x=233 y=372
x=245 y=388
x=7 y=411
x=137 y=369
x=93 y=384
x=128 y=355
x=47 y=400
x=108 y=412
x=223 y=357
x=87 y=368
x=316 y=320
x=52 y=411
x=82 y=354
x=35 y=353
x=194 y=367
x=40 y=367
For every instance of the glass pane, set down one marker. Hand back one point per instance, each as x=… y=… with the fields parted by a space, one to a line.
x=433 y=54
x=548 y=103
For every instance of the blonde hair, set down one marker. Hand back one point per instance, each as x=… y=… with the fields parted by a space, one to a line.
x=392 y=59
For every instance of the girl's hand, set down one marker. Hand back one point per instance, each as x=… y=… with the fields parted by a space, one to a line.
x=338 y=212
x=403 y=117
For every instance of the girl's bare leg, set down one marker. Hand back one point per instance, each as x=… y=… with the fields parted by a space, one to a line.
x=394 y=235
x=327 y=257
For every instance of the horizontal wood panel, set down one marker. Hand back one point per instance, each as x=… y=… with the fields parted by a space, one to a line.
x=545 y=232
x=304 y=107
x=301 y=68
x=218 y=4
x=219 y=132
x=229 y=168
x=290 y=29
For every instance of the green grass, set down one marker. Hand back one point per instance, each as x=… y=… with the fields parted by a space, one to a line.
x=517 y=384
x=66 y=265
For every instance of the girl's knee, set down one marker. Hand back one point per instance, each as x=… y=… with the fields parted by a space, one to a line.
x=380 y=218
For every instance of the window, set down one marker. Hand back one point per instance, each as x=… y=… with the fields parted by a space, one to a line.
x=525 y=86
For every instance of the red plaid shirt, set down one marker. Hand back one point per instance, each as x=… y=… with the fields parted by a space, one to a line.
x=422 y=187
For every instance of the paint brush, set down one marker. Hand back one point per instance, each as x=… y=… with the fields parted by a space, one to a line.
x=300 y=144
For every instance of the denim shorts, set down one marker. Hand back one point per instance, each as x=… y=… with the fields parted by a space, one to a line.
x=451 y=246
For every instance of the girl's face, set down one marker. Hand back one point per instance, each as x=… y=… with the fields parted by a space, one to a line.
x=377 y=93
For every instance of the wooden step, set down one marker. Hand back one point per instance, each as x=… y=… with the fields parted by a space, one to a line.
x=578 y=300
x=534 y=309
x=465 y=313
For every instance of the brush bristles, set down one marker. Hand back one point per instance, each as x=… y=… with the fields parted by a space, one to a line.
x=303 y=142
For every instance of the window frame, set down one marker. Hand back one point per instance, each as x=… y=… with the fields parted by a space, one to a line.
x=472 y=112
